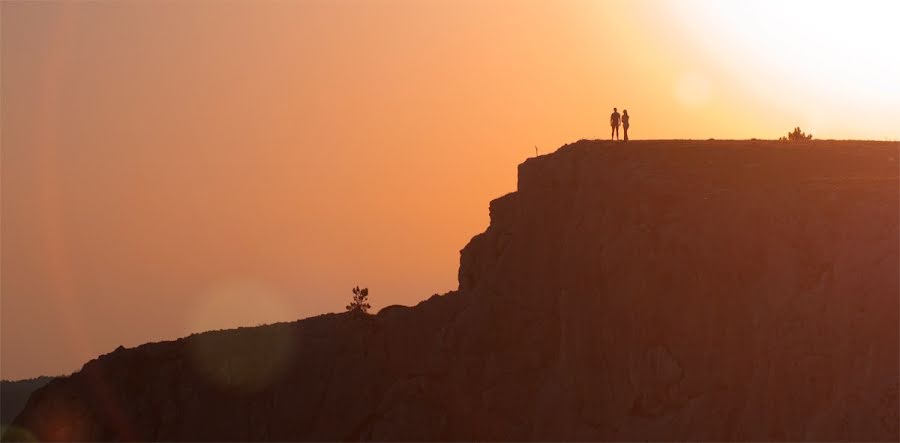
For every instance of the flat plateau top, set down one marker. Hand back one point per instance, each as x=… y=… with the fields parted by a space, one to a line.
x=816 y=158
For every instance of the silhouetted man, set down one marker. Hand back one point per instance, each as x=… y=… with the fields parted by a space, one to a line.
x=625 y=123
x=614 y=122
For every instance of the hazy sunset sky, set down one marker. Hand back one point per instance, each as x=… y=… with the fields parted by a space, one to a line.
x=173 y=167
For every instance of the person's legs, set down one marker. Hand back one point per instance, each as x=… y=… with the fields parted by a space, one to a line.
x=625 y=128
x=617 y=132
x=612 y=132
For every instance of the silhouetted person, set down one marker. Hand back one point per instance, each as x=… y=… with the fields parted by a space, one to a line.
x=625 y=123
x=614 y=122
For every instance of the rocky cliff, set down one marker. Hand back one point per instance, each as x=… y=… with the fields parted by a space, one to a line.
x=659 y=290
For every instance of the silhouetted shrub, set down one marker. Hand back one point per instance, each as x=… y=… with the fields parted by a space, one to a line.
x=359 y=304
x=796 y=136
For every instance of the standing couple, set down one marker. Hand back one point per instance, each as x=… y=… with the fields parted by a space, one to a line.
x=614 y=120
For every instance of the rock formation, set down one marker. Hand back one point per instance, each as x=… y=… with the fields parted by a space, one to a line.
x=659 y=290
x=14 y=394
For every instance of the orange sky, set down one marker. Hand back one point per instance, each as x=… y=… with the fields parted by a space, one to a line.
x=171 y=167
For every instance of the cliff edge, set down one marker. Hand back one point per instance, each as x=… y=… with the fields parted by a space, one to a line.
x=654 y=290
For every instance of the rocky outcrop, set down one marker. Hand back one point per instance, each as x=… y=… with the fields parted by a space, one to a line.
x=14 y=394
x=664 y=290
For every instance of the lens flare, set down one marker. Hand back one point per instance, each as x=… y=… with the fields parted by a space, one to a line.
x=243 y=359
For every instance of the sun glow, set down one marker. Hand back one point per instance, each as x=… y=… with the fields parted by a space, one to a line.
x=831 y=53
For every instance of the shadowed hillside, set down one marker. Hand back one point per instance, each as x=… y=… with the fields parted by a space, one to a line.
x=658 y=290
x=13 y=395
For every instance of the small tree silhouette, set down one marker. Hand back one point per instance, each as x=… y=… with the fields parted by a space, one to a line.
x=359 y=304
x=797 y=136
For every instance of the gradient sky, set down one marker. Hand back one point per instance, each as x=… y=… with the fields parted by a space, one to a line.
x=173 y=167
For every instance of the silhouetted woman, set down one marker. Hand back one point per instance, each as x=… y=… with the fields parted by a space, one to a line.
x=625 y=123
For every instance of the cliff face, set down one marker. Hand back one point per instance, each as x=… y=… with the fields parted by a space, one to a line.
x=651 y=290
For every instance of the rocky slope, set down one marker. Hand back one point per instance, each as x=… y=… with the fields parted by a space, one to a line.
x=660 y=290
x=14 y=394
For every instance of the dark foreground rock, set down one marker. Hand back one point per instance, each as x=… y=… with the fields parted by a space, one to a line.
x=657 y=290
x=14 y=394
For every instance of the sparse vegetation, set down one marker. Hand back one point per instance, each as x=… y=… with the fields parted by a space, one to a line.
x=360 y=303
x=796 y=136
